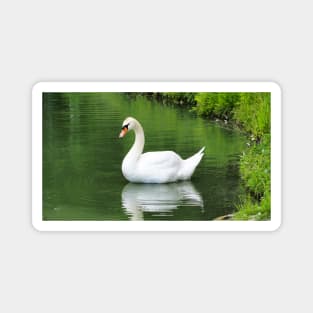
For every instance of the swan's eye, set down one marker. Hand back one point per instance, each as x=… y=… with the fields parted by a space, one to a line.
x=125 y=126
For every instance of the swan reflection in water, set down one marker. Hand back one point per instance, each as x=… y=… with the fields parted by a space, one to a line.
x=159 y=198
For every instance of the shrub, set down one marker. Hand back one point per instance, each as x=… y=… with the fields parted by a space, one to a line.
x=253 y=113
x=216 y=104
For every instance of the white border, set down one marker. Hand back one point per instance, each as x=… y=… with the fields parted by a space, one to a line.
x=271 y=225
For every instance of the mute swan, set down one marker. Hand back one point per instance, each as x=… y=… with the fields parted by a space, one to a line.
x=154 y=167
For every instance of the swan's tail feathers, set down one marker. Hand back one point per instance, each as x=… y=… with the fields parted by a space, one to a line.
x=190 y=165
x=201 y=150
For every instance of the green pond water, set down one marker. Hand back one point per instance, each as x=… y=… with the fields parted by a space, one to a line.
x=82 y=157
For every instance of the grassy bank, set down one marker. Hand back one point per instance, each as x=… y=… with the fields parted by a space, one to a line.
x=250 y=112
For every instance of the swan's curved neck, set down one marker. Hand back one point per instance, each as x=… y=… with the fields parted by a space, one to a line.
x=137 y=148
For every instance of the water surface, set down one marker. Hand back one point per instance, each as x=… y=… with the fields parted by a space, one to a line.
x=82 y=156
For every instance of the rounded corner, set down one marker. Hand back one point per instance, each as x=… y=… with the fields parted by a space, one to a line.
x=37 y=87
x=36 y=226
x=276 y=225
x=275 y=86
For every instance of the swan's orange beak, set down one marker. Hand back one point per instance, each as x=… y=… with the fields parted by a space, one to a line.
x=123 y=132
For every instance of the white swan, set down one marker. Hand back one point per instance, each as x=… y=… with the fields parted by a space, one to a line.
x=154 y=167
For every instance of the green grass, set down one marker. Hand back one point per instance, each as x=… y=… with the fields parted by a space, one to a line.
x=255 y=170
x=250 y=209
x=255 y=166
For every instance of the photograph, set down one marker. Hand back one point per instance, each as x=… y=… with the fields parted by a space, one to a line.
x=158 y=154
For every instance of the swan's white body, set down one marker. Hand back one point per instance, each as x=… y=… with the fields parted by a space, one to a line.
x=154 y=167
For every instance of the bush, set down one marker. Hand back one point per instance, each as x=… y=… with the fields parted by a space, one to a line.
x=178 y=98
x=253 y=113
x=216 y=104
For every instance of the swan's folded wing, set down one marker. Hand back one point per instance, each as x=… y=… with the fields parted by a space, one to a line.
x=160 y=159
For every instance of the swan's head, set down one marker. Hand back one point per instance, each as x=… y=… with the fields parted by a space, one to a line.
x=129 y=124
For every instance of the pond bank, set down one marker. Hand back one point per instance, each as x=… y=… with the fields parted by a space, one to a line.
x=251 y=113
